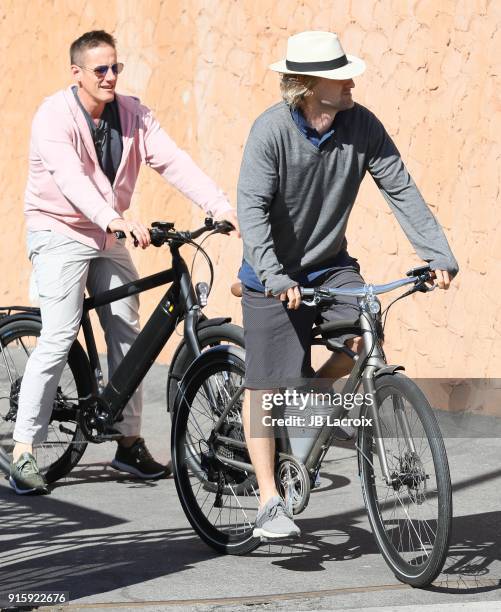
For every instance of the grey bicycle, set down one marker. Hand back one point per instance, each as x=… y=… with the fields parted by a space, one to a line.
x=402 y=460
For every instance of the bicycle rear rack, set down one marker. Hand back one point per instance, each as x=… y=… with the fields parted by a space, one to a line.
x=6 y=311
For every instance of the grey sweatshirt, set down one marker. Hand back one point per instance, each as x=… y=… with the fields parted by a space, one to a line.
x=294 y=199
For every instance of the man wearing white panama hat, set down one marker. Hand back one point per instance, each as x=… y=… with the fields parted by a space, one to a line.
x=319 y=54
x=303 y=164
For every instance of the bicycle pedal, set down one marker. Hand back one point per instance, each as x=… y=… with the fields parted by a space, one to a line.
x=109 y=434
x=280 y=540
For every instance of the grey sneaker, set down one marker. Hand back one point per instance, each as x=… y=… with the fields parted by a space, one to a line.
x=273 y=521
x=25 y=477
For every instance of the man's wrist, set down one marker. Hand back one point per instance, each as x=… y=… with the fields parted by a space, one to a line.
x=279 y=284
x=105 y=217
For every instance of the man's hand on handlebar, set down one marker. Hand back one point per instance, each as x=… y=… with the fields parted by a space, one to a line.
x=231 y=216
x=292 y=296
x=443 y=279
x=138 y=233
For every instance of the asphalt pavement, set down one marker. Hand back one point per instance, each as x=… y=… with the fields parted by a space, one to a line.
x=112 y=542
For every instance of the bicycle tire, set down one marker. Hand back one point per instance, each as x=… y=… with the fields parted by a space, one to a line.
x=224 y=369
x=413 y=482
x=208 y=337
x=60 y=453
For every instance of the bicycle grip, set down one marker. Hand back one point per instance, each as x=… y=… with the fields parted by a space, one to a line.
x=224 y=226
x=120 y=235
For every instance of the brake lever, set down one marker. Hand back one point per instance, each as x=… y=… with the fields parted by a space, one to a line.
x=312 y=303
x=312 y=297
x=423 y=287
x=308 y=293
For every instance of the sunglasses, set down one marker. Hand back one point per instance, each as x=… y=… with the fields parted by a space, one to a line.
x=102 y=71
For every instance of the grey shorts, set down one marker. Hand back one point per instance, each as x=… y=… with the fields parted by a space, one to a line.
x=278 y=340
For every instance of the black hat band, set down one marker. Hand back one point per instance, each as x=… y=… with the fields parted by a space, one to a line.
x=339 y=62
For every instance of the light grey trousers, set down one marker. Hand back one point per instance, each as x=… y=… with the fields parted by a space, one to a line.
x=62 y=268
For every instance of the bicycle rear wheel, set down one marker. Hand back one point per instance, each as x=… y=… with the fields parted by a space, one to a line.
x=411 y=517
x=220 y=501
x=65 y=442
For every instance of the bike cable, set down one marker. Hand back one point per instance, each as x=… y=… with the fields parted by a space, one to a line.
x=198 y=247
x=207 y=259
x=420 y=286
x=400 y=297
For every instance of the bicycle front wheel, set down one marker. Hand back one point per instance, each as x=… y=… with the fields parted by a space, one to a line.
x=411 y=516
x=213 y=335
x=220 y=501
x=65 y=443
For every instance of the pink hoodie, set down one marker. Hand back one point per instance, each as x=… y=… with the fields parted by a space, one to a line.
x=69 y=193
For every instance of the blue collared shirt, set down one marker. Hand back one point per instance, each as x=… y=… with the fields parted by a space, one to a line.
x=311 y=133
x=246 y=273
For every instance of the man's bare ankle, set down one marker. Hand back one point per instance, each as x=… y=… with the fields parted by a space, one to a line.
x=19 y=449
x=264 y=499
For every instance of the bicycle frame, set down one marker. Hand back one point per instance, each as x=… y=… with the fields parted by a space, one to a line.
x=107 y=297
x=179 y=299
x=368 y=365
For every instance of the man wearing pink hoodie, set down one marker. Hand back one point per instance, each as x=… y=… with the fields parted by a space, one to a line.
x=87 y=146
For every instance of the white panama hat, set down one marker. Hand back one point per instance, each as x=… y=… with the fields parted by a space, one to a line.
x=319 y=54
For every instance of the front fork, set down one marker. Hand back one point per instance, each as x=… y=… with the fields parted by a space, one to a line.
x=375 y=363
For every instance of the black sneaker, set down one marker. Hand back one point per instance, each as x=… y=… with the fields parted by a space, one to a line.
x=25 y=477
x=137 y=460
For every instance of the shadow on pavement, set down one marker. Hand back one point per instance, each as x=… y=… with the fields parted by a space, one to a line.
x=103 y=472
x=43 y=548
x=475 y=545
x=45 y=545
x=34 y=518
x=323 y=540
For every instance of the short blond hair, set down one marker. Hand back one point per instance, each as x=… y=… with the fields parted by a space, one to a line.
x=296 y=87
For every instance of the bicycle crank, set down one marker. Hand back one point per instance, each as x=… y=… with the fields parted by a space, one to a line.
x=96 y=421
x=293 y=483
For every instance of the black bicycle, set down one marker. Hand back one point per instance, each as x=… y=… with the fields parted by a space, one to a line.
x=402 y=460
x=85 y=409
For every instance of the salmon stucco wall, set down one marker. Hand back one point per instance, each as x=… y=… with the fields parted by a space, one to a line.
x=433 y=70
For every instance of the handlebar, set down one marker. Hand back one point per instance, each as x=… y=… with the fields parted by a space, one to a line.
x=419 y=278
x=163 y=231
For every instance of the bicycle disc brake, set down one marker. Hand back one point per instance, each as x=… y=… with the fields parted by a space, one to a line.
x=63 y=410
x=413 y=476
x=293 y=483
x=224 y=451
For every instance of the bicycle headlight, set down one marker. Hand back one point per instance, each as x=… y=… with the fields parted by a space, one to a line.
x=202 y=291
